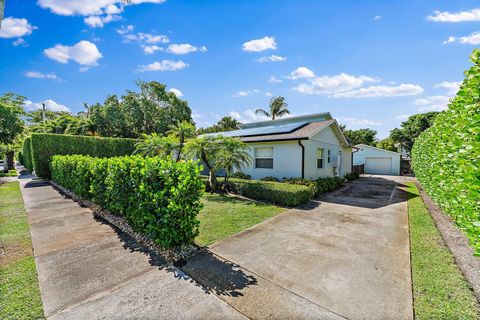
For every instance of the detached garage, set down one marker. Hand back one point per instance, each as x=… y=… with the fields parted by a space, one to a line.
x=376 y=160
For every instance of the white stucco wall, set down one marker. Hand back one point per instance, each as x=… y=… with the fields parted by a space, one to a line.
x=287 y=160
x=365 y=152
x=326 y=139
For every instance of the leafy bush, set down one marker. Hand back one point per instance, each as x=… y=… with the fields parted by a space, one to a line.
x=276 y=192
x=27 y=154
x=44 y=146
x=20 y=157
x=241 y=175
x=270 y=179
x=351 y=176
x=446 y=157
x=159 y=197
x=325 y=185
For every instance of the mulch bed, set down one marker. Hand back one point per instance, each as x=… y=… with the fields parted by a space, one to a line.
x=456 y=241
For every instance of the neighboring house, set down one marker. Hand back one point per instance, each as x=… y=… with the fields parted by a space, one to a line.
x=376 y=160
x=308 y=146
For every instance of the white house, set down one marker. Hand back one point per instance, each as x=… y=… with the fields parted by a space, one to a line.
x=376 y=160
x=308 y=146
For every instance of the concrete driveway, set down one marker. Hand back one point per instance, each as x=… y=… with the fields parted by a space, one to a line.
x=346 y=255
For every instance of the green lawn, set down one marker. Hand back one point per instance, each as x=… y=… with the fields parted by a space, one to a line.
x=19 y=293
x=223 y=216
x=439 y=288
x=10 y=173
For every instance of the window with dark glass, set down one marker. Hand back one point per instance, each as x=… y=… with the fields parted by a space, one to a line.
x=264 y=158
x=329 y=156
x=320 y=158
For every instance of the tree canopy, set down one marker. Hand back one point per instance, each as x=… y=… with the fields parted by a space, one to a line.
x=411 y=129
x=11 y=112
x=224 y=124
x=360 y=136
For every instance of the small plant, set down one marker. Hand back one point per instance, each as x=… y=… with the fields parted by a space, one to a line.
x=351 y=176
x=241 y=175
x=269 y=178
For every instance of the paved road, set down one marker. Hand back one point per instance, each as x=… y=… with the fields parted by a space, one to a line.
x=87 y=270
x=345 y=256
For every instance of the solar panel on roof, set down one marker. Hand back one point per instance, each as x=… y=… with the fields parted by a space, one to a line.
x=274 y=129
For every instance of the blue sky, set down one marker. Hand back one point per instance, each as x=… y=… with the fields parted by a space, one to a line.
x=369 y=63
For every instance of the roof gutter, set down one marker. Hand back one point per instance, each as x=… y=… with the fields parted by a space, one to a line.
x=303 y=157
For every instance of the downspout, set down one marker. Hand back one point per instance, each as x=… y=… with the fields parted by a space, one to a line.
x=303 y=158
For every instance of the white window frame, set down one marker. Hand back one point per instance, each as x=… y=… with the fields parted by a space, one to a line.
x=329 y=156
x=262 y=158
x=322 y=158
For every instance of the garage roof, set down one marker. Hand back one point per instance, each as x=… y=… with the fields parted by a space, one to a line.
x=361 y=145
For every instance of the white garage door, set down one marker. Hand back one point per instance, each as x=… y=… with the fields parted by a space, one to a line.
x=378 y=165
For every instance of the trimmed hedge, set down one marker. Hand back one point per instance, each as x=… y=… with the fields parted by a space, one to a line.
x=280 y=193
x=446 y=157
x=45 y=145
x=27 y=154
x=159 y=198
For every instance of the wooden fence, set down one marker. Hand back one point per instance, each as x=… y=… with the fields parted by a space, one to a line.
x=359 y=168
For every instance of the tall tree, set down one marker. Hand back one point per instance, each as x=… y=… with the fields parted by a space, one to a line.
x=11 y=123
x=180 y=133
x=411 y=129
x=277 y=108
x=364 y=136
x=225 y=124
x=387 y=144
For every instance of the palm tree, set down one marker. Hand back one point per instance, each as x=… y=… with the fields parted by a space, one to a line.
x=155 y=145
x=207 y=149
x=181 y=132
x=277 y=108
x=233 y=155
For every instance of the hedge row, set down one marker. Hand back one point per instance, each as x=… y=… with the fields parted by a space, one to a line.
x=446 y=157
x=159 y=198
x=44 y=146
x=27 y=154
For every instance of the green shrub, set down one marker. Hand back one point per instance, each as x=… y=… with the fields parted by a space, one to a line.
x=270 y=179
x=44 y=146
x=351 y=176
x=158 y=197
x=20 y=157
x=27 y=154
x=446 y=157
x=241 y=175
x=329 y=184
x=276 y=192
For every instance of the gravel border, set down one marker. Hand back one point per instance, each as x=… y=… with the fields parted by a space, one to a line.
x=456 y=241
x=174 y=255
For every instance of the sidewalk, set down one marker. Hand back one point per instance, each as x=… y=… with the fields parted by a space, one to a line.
x=88 y=270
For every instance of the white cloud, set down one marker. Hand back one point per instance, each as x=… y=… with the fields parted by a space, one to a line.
x=258 y=45
x=84 y=53
x=39 y=75
x=451 y=87
x=268 y=94
x=87 y=7
x=433 y=103
x=272 y=58
x=176 y=92
x=49 y=104
x=204 y=120
x=473 y=38
x=100 y=21
x=247 y=116
x=355 y=122
x=245 y=93
x=377 y=17
x=20 y=42
x=274 y=79
x=404 y=89
x=151 y=49
x=164 y=65
x=462 y=16
x=332 y=85
x=300 y=73
x=15 y=28
x=184 y=48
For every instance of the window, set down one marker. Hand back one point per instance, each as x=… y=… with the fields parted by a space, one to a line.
x=320 y=155
x=329 y=156
x=264 y=158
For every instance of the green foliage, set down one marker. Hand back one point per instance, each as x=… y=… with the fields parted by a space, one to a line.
x=361 y=136
x=351 y=176
x=275 y=192
x=160 y=198
x=44 y=146
x=277 y=108
x=154 y=145
x=224 y=124
x=446 y=157
x=11 y=124
x=412 y=128
x=27 y=154
x=241 y=175
x=387 y=144
x=20 y=158
x=270 y=178
x=233 y=154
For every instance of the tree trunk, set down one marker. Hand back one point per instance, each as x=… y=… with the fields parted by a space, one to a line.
x=212 y=179
x=10 y=164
